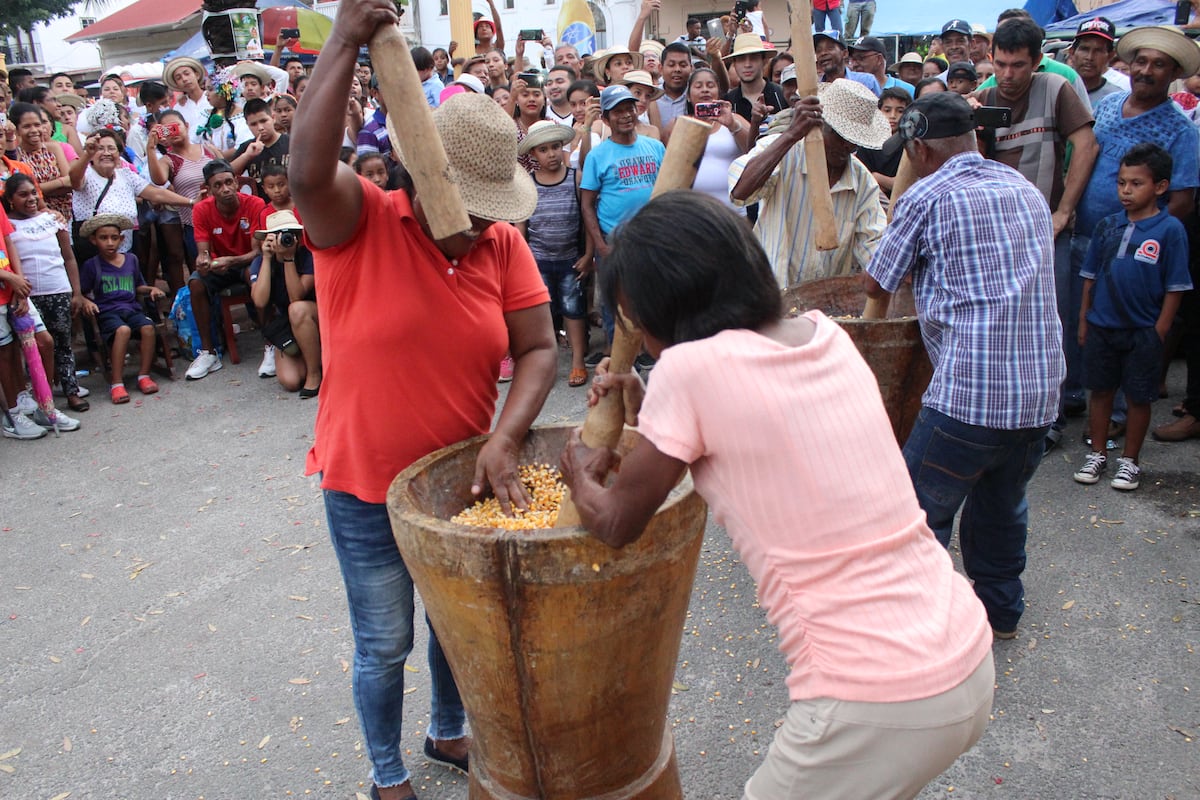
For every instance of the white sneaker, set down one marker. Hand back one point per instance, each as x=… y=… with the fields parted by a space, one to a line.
x=54 y=420
x=83 y=391
x=205 y=363
x=1128 y=476
x=267 y=368
x=22 y=428
x=25 y=402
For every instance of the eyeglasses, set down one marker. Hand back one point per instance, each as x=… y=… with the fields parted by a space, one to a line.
x=109 y=150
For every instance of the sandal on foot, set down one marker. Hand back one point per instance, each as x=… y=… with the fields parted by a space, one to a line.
x=578 y=377
x=307 y=393
x=147 y=385
x=118 y=395
x=77 y=404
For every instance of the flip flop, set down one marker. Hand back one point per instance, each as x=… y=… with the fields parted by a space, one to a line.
x=578 y=377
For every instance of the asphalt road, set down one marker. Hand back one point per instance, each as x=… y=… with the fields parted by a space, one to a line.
x=173 y=626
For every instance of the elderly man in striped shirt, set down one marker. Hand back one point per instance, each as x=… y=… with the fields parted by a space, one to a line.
x=977 y=239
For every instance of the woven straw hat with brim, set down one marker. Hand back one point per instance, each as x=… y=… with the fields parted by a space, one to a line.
x=642 y=78
x=651 y=46
x=481 y=145
x=278 y=222
x=99 y=221
x=72 y=100
x=176 y=63
x=851 y=109
x=911 y=58
x=601 y=62
x=747 y=44
x=253 y=69
x=544 y=132
x=1165 y=39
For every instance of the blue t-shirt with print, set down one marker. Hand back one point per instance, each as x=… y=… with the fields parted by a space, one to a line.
x=1164 y=125
x=112 y=288
x=1134 y=265
x=623 y=177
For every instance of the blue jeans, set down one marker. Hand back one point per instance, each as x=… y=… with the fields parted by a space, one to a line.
x=827 y=20
x=985 y=471
x=380 y=594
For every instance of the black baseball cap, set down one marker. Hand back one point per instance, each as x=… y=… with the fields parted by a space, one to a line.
x=868 y=44
x=1097 y=26
x=957 y=26
x=962 y=69
x=940 y=115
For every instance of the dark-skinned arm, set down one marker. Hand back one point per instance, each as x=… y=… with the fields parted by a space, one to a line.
x=762 y=166
x=319 y=180
x=618 y=514
x=591 y=222
x=534 y=351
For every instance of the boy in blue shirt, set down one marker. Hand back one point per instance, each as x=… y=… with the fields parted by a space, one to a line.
x=1135 y=273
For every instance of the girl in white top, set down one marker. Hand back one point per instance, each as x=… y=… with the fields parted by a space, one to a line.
x=728 y=139
x=48 y=263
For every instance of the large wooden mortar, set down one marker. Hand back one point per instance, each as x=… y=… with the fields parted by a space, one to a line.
x=564 y=649
x=892 y=347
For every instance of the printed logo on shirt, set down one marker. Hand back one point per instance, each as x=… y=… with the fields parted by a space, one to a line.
x=244 y=224
x=1147 y=253
x=218 y=231
x=636 y=171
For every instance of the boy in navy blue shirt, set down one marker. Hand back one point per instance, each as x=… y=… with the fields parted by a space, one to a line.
x=1135 y=273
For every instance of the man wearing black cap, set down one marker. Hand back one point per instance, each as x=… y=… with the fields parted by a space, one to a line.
x=867 y=56
x=956 y=41
x=1091 y=53
x=985 y=301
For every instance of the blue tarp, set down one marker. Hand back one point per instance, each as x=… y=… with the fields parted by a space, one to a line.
x=924 y=17
x=1125 y=15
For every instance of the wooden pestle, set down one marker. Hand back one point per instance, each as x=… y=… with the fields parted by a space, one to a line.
x=434 y=180
x=821 y=200
x=606 y=419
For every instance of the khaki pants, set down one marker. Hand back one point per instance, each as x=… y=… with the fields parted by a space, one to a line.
x=831 y=749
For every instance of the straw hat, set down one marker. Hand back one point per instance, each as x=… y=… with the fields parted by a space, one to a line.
x=979 y=30
x=544 y=132
x=851 y=109
x=481 y=145
x=253 y=69
x=176 y=63
x=99 y=221
x=1166 y=39
x=642 y=78
x=600 y=64
x=651 y=46
x=72 y=100
x=278 y=222
x=746 y=44
x=911 y=58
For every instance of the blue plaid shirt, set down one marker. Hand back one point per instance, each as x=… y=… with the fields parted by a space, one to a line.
x=977 y=239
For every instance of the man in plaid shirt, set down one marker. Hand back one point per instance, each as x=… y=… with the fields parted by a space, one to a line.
x=976 y=237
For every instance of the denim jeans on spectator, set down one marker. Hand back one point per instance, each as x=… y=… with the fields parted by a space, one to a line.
x=380 y=594
x=607 y=315
x=984 y=471
x=1066 y=275
x=859 y=11
x=827 y=20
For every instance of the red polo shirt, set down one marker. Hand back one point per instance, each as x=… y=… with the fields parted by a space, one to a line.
x=411 y=342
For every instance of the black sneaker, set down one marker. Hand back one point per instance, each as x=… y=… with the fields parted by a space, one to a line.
x=592 y=359
x=644 y=362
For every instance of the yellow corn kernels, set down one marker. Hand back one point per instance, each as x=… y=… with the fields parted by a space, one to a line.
x=545 y=487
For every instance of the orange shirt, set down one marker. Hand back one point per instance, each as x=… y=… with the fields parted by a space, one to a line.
x=411 y=342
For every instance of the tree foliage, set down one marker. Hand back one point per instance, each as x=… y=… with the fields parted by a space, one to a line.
x=21 y=15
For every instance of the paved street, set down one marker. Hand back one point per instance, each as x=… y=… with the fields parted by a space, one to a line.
x=173 y=626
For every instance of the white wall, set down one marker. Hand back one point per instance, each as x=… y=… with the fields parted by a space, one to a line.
x=61 y=56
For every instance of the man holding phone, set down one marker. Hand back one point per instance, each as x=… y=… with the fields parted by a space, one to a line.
x=1046 y=114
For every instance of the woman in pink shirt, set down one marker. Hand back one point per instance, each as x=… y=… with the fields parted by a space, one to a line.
x=782 y=425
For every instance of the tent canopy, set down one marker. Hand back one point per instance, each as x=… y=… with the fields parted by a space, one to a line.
x=925 y=17
x=1125 y=15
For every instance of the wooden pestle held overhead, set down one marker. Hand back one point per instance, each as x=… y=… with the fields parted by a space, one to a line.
x=606 y=419
x=819 y=196
x=433 y=179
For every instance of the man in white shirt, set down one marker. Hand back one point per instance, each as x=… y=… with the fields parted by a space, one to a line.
x=186 y=76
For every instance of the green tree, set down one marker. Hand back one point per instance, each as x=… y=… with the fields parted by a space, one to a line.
x=21 y=15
